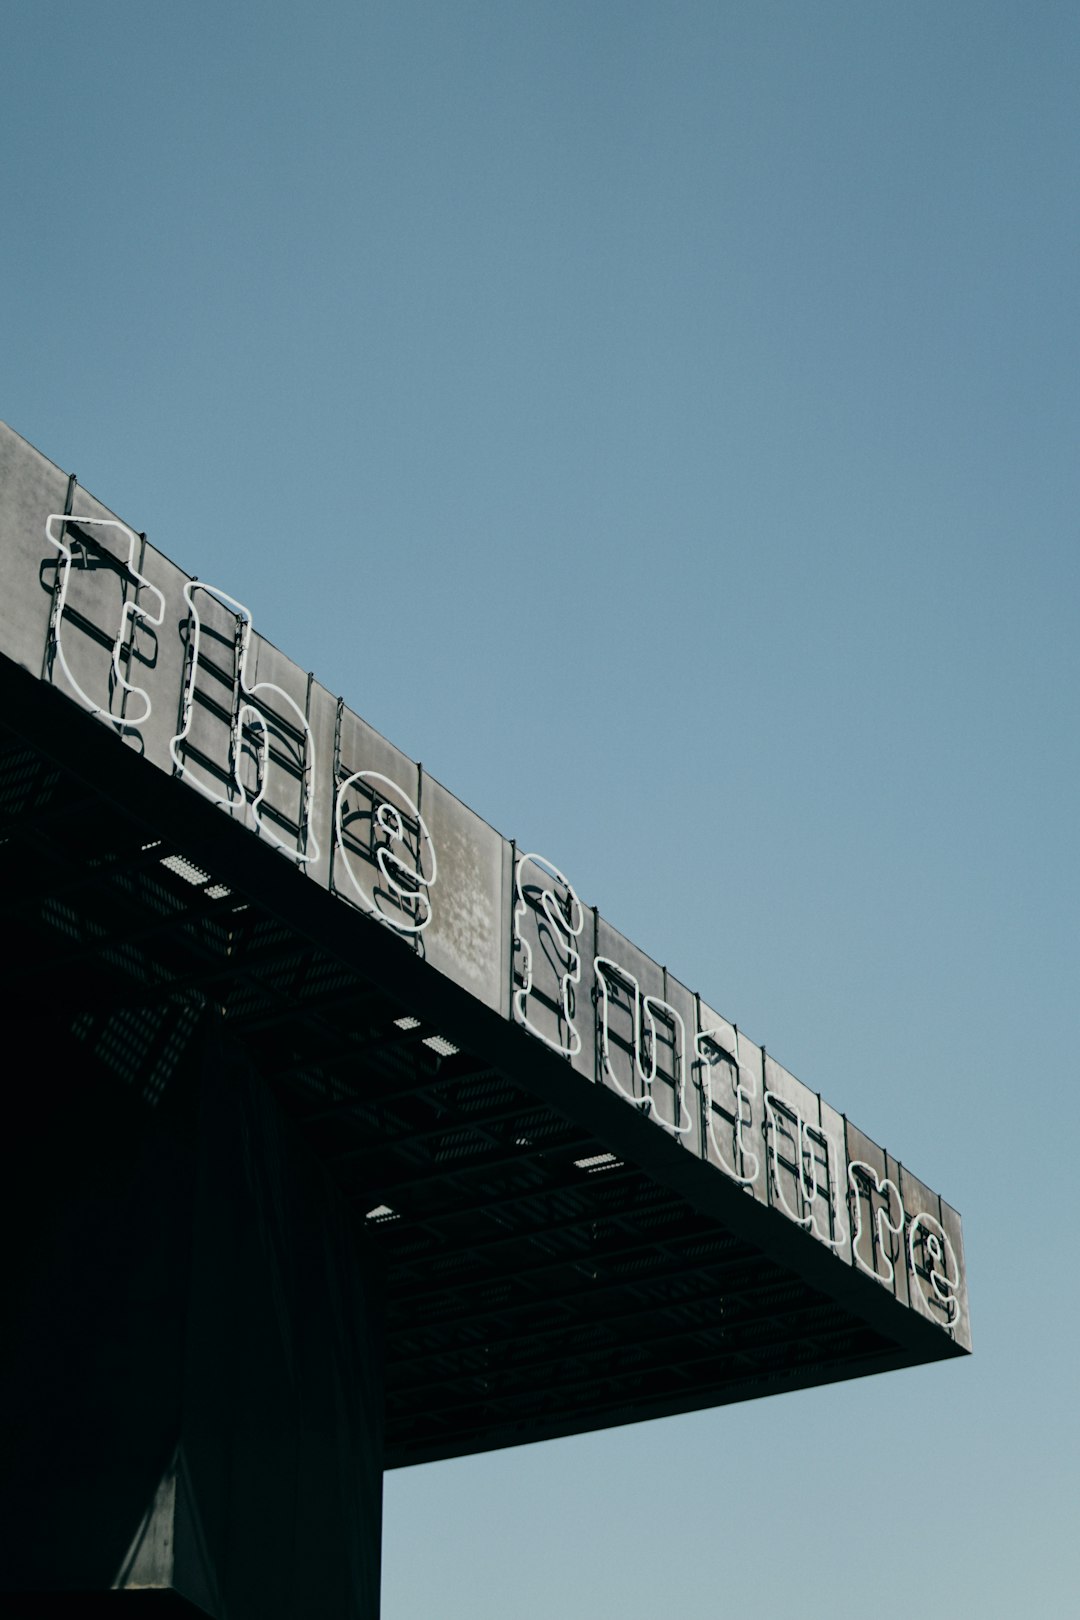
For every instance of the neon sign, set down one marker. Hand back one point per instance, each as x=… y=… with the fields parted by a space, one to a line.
x=548 y=920
x=265 y=724
x=130 y=611
x=376 y=817
x=718 y=1049
x=934 y=1266
x=876 y=1240
x=656 y=1028
x=246 y=744
x=801 y=1153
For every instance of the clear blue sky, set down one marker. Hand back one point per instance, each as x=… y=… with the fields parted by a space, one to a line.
x=662 y=419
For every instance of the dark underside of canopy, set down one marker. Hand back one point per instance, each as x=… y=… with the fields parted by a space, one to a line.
x=538 y=1281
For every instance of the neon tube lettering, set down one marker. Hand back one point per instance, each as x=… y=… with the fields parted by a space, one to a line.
x=130 y=611
x=398 y=841
x=864 y=1184
x=251 y=712
x=805 y=1138
x=646 y=1014
x=932 y=1261
x=715 y=1048
x=557 y=920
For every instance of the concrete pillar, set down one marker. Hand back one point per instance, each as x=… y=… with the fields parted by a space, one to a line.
x=192 y=1375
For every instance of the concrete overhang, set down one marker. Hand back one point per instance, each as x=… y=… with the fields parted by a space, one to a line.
x=595 y=1199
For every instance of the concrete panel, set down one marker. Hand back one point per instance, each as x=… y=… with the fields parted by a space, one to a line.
x=382 y=859
x=935 y=1280
x=30 y=488
x=898 y=1245
x=678 y=1104
x=730 y=1101
x=203 y=746
x=106 y=621
x=322 y=718
x=468 y=938
x=832 y=1129
x=587 y=1060
x=950 y=1220
x=876 y=1213
x=160 y=665
x=805 y=1172
x=278 y=688
x=552 y=978
x=645 y=1041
